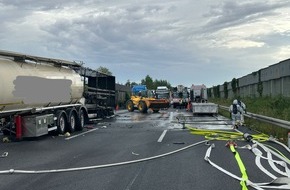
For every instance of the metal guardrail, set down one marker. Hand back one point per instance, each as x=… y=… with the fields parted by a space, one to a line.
x=274 y=121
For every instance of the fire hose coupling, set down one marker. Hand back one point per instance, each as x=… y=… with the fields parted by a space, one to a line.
x=247 y=137
x=229 y=143
x=207 y=143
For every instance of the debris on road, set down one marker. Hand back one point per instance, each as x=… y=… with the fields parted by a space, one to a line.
x=67 y=134
x=5 y=154
x=6 y=140
x=179 y=143
x=89 y=127
x=135 y=154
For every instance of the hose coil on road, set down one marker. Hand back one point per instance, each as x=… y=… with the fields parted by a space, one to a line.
x=226 y=135
x=14 y=171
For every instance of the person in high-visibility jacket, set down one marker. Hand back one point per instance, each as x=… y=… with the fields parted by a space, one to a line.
x=236 y=111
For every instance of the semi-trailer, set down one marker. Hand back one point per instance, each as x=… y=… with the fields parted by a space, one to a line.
x=40 y=94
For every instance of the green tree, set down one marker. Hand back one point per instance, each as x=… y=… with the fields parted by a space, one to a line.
x=226 y=90
x=216 y=91
x=104 y=70
x=209 y=92
x=133 y=83
x=162 y=83
x=128 y=83
x=235 y=84
x=148 y=81
x=260 y=85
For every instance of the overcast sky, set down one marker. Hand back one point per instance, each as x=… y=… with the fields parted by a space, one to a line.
x=182 y=41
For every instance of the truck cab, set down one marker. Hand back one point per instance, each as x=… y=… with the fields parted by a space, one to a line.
x=180 y=97
x=162 y=92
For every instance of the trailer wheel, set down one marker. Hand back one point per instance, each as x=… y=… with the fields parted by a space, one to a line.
x=61 y=122
x=81 y=120
x=72 y=120
x=155 y=111
x=130 y=106
x=142 y=107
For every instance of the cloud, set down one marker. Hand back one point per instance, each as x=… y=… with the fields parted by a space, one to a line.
x=233 y=13
x=117 y=33
x=205 y=42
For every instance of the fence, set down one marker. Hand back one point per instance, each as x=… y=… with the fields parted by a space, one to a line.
x=271 y=81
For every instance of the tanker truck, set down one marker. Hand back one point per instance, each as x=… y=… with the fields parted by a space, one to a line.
x=39 y=95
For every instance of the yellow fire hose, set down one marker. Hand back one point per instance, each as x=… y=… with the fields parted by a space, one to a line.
x=225 y=135
x=231 y=137
x=241 y=166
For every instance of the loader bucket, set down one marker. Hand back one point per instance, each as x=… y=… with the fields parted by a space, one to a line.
x=158 y=104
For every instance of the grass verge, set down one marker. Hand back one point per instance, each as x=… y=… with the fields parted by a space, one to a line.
x=278 y=107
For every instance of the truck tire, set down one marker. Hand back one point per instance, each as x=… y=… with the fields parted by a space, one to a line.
x=142 y=107
x=72 y=119
x=81 y=120
x=130 y=105
x=155 y=111
x=61 y=122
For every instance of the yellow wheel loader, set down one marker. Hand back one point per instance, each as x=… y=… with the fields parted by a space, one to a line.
x=143 y=99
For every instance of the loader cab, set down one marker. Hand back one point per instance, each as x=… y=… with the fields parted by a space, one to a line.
x=151 y=94
x=140 y=93
x=141 y=90
x=144 y=93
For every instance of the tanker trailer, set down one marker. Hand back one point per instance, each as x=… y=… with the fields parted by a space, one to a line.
x=40 y=94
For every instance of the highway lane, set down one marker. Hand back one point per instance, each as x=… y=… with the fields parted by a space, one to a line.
x=127 y=137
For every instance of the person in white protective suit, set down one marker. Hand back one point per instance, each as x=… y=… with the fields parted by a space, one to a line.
x=236 y=111
x=243 y=106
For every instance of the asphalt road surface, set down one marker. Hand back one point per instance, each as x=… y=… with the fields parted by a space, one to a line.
x=131 y=151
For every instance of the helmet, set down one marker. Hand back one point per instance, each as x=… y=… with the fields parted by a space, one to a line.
x=235 y=102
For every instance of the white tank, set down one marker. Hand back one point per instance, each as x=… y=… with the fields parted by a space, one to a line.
x=31 y=85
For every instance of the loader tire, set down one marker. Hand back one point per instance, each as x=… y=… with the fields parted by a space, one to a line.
x=130 y=106
x=142 y=107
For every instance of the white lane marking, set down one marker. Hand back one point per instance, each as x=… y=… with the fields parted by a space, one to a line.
x=162 y=136
x=171 y=117
x=68 y=138
x=134 y=179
